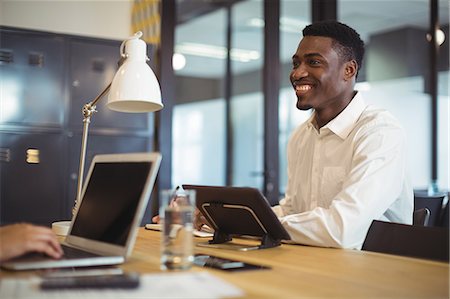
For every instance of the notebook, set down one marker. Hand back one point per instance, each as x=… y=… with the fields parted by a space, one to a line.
x=114 y=198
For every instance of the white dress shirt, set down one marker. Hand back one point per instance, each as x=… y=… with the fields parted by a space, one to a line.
x=344 y=175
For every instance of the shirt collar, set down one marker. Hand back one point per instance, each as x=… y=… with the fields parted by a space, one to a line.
x=344 y=122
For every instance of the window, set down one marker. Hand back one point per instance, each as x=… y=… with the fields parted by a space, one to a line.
x=394 y=74
x=198 y=120
x=294 y=16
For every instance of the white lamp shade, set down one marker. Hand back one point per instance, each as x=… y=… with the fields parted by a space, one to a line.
x=135 y=87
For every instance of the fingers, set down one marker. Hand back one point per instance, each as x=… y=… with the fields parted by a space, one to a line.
x=173 y=202
x=42 y=239
x=199 y=220
x=47 y=248
x=18 y=239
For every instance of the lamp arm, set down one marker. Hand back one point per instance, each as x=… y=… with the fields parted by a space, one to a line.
x=88 y=111
x=94 y=102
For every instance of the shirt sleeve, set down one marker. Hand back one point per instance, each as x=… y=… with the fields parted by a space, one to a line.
x=374 y=183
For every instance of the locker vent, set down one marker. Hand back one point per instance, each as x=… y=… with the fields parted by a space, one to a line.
x=5 y=155
x=6 y=56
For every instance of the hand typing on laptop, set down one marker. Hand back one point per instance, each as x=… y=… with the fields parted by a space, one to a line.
x=18 y=239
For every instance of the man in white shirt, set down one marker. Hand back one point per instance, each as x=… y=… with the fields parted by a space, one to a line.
x=347 y=163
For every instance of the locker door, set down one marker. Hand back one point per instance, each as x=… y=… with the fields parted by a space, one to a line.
x=32 y=70
x=31 y=177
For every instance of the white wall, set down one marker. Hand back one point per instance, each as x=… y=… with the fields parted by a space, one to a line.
x=100 y=18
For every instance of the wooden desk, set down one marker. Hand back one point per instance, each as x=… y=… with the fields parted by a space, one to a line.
x=303 y=271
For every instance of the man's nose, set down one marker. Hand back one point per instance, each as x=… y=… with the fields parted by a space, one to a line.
x=299 y=72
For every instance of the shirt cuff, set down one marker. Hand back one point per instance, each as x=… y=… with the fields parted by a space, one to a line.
x=278 y=211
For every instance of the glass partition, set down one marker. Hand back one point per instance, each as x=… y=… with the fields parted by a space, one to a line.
x=199 y=140
x=247 y=97
x=395 y=71
x=294 y=16
x=198 y=152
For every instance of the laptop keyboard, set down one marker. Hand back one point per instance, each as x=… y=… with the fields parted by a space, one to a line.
x=70 y=253
x=74 y=253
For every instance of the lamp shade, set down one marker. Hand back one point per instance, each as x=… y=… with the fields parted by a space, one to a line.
x=134 y=87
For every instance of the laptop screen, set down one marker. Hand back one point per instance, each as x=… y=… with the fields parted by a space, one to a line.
x=110 y=201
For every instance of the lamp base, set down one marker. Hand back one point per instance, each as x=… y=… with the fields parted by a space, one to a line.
x=61 y=228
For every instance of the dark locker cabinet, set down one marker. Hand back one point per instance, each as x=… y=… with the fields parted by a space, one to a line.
x=32 y=143
x=46 y=79
x=31 y=177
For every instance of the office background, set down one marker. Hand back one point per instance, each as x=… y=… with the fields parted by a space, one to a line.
x=227 y=119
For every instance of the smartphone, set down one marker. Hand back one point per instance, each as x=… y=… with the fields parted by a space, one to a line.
x=119 y=281
x=211 y=261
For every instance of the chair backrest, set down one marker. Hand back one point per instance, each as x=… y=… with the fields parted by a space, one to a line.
x=432 y=203
x=421 y=217
x=444 y=216
x=408 y=240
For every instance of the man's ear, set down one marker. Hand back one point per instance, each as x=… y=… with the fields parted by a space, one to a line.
x=350 y=69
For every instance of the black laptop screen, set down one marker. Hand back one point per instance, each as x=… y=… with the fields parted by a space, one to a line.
x=110 y=202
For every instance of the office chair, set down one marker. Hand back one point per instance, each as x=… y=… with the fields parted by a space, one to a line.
x=421 y=217
x=408 y=240
x=432 y=203
x=445 y=216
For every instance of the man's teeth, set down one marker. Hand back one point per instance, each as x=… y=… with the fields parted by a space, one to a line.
x=302 y=87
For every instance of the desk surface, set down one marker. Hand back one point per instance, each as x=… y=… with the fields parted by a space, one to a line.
x=303 y=271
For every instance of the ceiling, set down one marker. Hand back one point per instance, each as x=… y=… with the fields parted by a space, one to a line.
x=208 y=29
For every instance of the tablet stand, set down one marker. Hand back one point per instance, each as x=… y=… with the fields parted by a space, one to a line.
x=220 y=237
x=266 y=241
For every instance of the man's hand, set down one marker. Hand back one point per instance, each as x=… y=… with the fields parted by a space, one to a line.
x=199 y=220
x=17 y=239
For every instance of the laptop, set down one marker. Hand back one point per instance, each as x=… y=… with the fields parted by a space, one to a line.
x=103 y=230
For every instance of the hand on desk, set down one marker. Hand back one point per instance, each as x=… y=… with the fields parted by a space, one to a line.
x=199 y=220
x=17 y=239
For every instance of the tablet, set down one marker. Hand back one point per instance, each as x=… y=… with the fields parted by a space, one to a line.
x=238 y=211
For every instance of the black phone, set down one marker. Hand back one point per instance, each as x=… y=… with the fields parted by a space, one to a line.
x=211 y=261
x=119 y=281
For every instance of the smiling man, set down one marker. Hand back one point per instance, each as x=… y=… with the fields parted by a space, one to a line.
x=347 y=163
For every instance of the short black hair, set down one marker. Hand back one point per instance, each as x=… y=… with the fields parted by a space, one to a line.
x=346 y=41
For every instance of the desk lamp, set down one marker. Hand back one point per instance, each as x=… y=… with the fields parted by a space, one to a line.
x=133 y=89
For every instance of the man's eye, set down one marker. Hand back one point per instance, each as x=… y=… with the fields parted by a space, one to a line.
x=313 y=62
x=295 y=65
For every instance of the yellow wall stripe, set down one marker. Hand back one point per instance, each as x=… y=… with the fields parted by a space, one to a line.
x=146 y=18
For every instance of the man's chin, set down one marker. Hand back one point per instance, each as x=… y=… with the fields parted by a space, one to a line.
x=303 y=106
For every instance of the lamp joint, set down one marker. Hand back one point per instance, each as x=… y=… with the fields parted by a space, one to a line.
x=88 y=110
